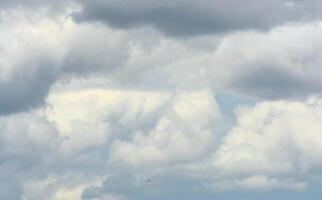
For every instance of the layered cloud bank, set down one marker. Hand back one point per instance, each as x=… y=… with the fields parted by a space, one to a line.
x=157 y=100
x=193 y=17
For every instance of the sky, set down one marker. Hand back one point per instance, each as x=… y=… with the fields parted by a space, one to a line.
x=160 y=99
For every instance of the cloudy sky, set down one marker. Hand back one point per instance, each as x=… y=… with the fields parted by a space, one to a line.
x=160 y=99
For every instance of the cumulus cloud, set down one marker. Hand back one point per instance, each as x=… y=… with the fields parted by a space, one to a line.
x=37 y=53
x=92 y=49
x=142 y=144
x=28 y=145
x=188 y=121
x=121 y=109
x=137 y=122
x=137 y=132
x=28 y=64
x=274 y=146
x=274 y=64
x=273 y=139
x=282 y=63
x=278 y=66
x=114 y=114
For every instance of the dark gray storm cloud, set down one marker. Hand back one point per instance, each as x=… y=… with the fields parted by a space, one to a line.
x=27 y=89
x=276 y=84
x=194 y=17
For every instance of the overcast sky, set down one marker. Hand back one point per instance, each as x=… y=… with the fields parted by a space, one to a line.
x=160 y=99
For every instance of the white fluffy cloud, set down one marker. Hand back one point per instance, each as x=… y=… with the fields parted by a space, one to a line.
x=274 y=140
x=188 y=121
x=114 y=113
x=137 y=132
x=134 y=140
x=142 y=128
